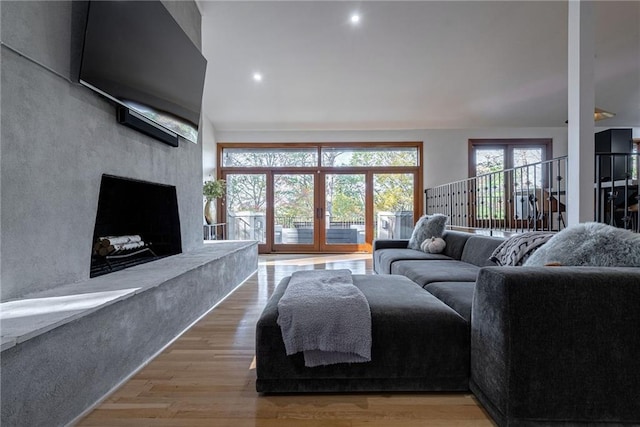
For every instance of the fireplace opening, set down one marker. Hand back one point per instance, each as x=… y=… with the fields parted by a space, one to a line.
x=136 y=222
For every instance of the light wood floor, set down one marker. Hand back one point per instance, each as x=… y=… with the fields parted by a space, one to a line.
x=204 y=378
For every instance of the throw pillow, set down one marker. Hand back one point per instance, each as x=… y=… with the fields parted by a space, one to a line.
x=434 y=245
x=427 y=226
x=592 y=244
x=517 y=249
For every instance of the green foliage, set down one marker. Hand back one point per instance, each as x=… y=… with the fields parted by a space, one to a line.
x=213 y=189
x=393 y=192
x=294 y=193
x=345 y=196
x=294 y=196
x=383 y=158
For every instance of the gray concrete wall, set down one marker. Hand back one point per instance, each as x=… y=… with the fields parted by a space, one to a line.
x=57 y=140
x=51 y=379
x=187 y=15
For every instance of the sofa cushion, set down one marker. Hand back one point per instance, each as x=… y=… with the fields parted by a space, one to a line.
x=384 y=258
x=424 y=273
x=457 y=295
x=455 y=243
x=427 y=226
x=478 y=250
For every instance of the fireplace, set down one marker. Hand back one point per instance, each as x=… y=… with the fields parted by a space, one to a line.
x=143 y=213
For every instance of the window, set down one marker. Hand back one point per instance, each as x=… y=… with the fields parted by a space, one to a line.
x=488 y=158
x=309 y=197
x=269 y=157
x=369 y=156
x=492 y=155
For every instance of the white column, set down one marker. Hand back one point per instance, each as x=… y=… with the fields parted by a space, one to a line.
x=581 y=95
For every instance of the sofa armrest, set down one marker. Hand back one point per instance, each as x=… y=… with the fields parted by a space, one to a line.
x=390 y=244
x=557 y=344
x=386 y=244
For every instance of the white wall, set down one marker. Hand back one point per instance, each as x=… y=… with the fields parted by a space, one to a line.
x=208 y=139
x=445 y=151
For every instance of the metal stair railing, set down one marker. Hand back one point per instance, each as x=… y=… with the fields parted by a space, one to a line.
x=524 y=198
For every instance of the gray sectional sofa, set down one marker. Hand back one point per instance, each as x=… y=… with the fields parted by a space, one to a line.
x=549 y=345
x=536 y=345
x=450 y=276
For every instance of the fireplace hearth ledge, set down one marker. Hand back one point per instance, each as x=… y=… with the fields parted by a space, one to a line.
x=66 y=348
x=37 y=313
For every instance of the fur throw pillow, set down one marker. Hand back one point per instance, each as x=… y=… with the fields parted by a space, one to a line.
x=427 y=226
x=590 y=244
x=434 y=245
x=517 y=249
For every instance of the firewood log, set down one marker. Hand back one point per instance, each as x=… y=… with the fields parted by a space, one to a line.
x=105 y=251
x=117 y=240
x=127 y=246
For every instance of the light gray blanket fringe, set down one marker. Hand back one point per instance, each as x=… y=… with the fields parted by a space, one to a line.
x=322 y=314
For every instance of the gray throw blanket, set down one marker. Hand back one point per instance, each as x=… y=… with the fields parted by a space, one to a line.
x=325 y=316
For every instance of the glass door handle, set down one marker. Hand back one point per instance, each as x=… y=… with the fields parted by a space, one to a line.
x=318 y=213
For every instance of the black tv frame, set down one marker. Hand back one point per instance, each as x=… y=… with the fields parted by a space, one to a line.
x=125 y=90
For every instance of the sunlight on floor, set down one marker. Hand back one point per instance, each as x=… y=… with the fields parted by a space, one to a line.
x=309 y=259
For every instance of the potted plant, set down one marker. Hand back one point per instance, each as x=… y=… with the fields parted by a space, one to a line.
x=212 y=190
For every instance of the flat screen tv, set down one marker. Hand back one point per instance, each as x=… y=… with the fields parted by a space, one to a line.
x=136 y=54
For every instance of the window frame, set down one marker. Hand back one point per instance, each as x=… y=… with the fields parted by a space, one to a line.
x=417 y=171
x=508 y=145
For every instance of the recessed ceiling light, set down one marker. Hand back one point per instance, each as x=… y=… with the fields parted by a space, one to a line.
x=257 y=77
x=355 y=18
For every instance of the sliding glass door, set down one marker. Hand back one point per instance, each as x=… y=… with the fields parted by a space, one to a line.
x=393 y=204
x=295 y=217
x=344 y=214
x=320 y=197
x=246 y=207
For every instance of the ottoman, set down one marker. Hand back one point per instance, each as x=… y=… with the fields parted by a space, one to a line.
x=418 y=344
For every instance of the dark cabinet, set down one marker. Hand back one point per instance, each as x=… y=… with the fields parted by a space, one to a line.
x=618 y=191
x=613 y=167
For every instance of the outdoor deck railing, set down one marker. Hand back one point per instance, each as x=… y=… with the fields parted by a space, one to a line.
x=308 y=222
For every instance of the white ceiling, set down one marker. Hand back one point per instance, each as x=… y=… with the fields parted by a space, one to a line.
x=409 y=65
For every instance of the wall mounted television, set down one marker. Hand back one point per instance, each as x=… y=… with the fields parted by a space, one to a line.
x=137 y=55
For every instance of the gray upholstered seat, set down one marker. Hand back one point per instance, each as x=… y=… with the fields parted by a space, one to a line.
x=424 y=273
x=384 y=258
x=419 y=344
x=457 y=295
